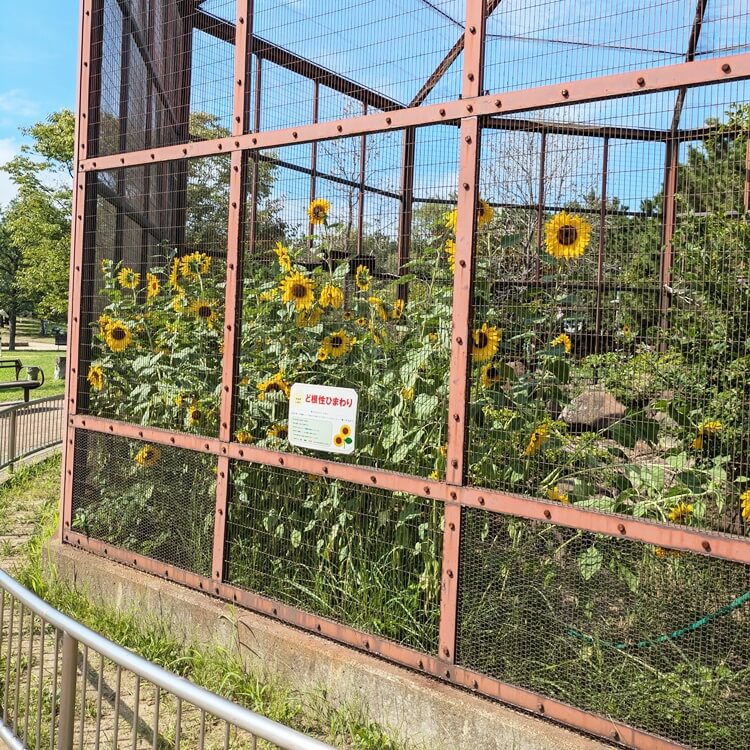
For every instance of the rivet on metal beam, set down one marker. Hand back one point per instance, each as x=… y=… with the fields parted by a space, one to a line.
x=472 y=29
x=481 y=500
x=462 y=263
x=565 y=93
x=456 y=418
x=449 y=573
x=469 y=108
x=340 y=128
x=459 y=340
x=442 y=113
x=641 y=81
x=498 y=103
x=468 y=139
x=621 y=528
x=726 y=67
x=454 y=495
x=706 y=546
x=547 y=514
x=388 y=120
x=426 y=490
x=470 y=76
x=446 y=652
x=452 y=526
x=454 y=463
x=374 y=479
x=466 y=186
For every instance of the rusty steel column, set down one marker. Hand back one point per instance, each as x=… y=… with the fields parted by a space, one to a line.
x=406 y=208
x=600 y=250
x=463 y=288
x=233 y=292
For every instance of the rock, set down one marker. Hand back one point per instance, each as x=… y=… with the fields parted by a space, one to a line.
x=593 y=409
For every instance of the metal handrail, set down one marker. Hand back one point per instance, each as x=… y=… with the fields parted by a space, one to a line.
x=74 y=633
x=42 y=432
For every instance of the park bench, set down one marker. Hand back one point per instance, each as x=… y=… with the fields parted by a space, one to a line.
x=26 y=385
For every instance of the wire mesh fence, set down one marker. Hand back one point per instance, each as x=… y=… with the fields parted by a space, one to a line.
x=519 y=233
x=31 y=427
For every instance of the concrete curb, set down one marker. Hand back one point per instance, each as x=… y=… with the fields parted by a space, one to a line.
x=414 y=708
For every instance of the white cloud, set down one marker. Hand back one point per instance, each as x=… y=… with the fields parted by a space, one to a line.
x=8 y=149
x=16 y=104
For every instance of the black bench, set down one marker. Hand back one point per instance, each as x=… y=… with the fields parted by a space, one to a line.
x=26 y=385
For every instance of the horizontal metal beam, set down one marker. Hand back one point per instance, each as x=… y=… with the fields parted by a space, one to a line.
x=533 y=509
x=647 y=81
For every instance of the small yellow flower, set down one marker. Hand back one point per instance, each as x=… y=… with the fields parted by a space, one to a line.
x=96 y=377
x=202 y=310
x=557 y=496
x=278 y=431
x=626 y=332
x=662 y=552
x=362 y=278
x=128 y=278
x=450 y=254
x=194 y=265
x=484 y=213
x=537 y=439
x=680 y=512
x=268 y=295
x=562 y=340
x=398 y=309
x=152 y=286
x=331 y=296
x=451 y=219
x=485 y=341
x=338 y=343
x=745 y=504
x=178 y=399
x=323 y=352
x=298 y=289
x=407 y=394
x=274 y=384
x=285 y=260
x=147 y=456
x=707 y=429
x=361 y=322
x=118 y=336
x=434 y=474
x=105 y=321
x=243 y=436
x=377 y=305
x=105 y=265
x=318 y=210
x=174 y=277
x=347 y=315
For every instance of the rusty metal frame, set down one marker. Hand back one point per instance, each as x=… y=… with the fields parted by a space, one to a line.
x=469 y=114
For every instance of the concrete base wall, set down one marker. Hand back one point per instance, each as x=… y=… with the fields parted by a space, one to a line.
x=414 y=708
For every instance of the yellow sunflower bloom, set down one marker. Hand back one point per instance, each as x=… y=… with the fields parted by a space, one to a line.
x=485 y=341
x=178 y=399
x=202 y=310
x=537 y=439
x=557 y=496
x=152 y=286
x=243 y=436
x=484 y=213
x=490 y=375
x=331 y=296
x=407 y=394
x=451 y=219
x=566 y=236
x=118 y=336
x=268 y=295
x=680 y=512
x=398 y=309
x=278 y=431
x=450 y=254
x=361 y=322
x=105 y=321
x=174 y=277
x=285 y=260
x=194 y=414
x=362 y=278
x=128 y=278
x=96 y=377
x=194 y=265
x=347 y=315
x=147 y=456
x=274 y=384
x=318 y=210
x=338 y=343
x=323 y=352
x=745 y=504
x=707 y=429
x=377 y=305
x=298 y=289
x=309 y=318
x=562 y=340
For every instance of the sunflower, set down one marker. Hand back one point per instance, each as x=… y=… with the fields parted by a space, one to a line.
x=318 y=210
x=566 y=236
x=331 y=296
x=268 y=295
x=274 y=384
x=178 y=399
x=361 y=322
x=323 y=352
x=538 y=437
x=562 y=340
x=450 y=254
x=338 y=440
x=662 y=552
x=347 y=315
x=557 y=496
x=194 y=414
x=707 y=429
x=484 y=213
x=490 y=375
x=105 y=265
x=96 y=377
x=407 y=394
x=243 y=436
x=363 y=278
x=174 y=277
x=299 y=290
x=152 y=286
x=279 y=431
x=128 y=278
x=485 y=341
x=147 y=456
x=398 y=309
x=285 y=260
x=451 y=219
x=118 y=336
x=338 y=343
x=201 y=309
x=105 y=321
x=377 y=305
x=194 y=265
x=745 y=504
x=626 y=332
x=680 y=512
x=310 y=318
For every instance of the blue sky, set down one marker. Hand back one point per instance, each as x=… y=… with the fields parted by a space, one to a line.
x=38 y=60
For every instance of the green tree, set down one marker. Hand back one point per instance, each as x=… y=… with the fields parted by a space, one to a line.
x=37 y=221
x=12 y=295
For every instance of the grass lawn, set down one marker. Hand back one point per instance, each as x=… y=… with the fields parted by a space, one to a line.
x=43 y=359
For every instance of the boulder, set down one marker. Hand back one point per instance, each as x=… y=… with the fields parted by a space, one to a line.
x=593 y=409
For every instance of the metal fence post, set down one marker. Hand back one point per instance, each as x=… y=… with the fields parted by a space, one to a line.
x=67 y=692
x=12 y=438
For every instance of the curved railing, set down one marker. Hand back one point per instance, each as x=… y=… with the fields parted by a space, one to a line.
x=65 y=686
x=29 y=427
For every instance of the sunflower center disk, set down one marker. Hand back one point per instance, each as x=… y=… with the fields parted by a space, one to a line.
x=299 y=291
x=482 y=340
x=204 y=311
x=118 y=334
x=492 y=373
x=567 y=235
x=336 y=341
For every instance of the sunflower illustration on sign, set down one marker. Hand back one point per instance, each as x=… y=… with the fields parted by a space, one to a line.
x=343 y=437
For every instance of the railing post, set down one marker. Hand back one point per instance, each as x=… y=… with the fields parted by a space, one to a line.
x=67 y=692
x=12 y=438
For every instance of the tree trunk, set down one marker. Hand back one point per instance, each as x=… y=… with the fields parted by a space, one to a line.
x=12 y=331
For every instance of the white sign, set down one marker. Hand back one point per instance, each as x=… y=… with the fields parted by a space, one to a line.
x=323 y=418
